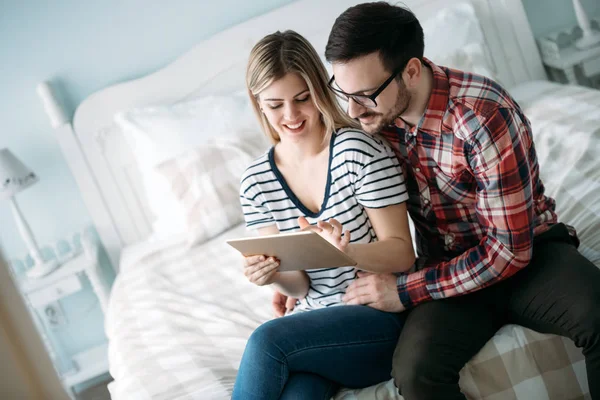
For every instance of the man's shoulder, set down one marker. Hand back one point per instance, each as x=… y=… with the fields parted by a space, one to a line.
x=477 y=92
x=473 y=99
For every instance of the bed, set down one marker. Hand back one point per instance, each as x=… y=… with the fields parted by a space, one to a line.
x=181 y=310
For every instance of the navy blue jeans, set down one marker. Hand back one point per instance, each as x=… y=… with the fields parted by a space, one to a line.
x=310 y=355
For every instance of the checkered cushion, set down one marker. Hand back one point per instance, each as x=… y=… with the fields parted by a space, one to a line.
x=516 y=364
x=205 y=183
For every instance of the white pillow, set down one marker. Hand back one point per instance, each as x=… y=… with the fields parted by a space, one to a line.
x=453 y=38
x=159 y=133
x=205 y=184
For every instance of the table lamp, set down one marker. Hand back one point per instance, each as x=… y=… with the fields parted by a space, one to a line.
x=15 y=177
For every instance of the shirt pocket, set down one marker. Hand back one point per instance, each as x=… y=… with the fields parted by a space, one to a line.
x=457 y=196
x=456 y=188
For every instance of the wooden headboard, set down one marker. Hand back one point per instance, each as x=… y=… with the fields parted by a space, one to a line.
x=103 y=165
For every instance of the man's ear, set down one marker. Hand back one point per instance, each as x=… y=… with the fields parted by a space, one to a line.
x=412 y=72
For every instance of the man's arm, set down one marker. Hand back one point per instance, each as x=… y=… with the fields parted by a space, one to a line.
x=499 y=158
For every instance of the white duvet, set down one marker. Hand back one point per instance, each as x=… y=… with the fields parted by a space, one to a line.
x=178 y=317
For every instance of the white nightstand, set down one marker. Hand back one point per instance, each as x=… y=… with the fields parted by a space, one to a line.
x=41 y=295
x=567 y=63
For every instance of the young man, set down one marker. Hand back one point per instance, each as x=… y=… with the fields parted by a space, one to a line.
x=491 y=251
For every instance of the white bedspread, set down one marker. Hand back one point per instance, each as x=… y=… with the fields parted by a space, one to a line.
x=178 y=320
x=178 y=317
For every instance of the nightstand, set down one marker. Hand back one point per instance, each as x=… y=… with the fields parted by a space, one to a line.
x=566 y=63
x=42 y=295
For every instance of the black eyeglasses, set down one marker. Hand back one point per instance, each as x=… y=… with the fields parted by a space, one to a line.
x=363 y=99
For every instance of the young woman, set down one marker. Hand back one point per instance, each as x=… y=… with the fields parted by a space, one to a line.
x=321 y=169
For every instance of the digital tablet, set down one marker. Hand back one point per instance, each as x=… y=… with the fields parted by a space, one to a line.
x=296 y=251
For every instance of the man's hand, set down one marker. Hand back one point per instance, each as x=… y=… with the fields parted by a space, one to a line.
x=282 y=303
x=374 y=290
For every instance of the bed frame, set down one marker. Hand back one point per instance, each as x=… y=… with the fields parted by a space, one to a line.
x=102 y=164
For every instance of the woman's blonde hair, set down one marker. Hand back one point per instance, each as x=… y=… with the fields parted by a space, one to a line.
x=286 y=52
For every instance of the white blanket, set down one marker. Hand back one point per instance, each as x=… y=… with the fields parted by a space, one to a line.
x=178 y=318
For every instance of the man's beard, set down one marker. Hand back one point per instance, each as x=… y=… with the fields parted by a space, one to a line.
x=387 y=119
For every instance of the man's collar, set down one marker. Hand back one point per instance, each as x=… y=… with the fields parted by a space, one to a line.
x=431 y=121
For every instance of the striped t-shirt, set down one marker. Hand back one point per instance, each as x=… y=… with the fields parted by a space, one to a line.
x=363 y=173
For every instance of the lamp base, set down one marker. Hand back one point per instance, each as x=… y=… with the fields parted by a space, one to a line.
x=588 y=41
x=39 y=270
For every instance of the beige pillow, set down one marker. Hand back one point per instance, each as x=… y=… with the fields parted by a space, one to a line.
x=205 y=182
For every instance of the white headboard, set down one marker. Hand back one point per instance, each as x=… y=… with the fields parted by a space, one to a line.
x=217 y=65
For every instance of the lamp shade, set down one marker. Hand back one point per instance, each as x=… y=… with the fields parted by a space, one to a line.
x=14 y=175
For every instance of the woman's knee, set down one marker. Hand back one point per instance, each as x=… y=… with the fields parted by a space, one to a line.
x=265 y=340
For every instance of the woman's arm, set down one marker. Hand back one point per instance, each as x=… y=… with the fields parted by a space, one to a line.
x=292 y=283
x=393 y=252
x=261 y=270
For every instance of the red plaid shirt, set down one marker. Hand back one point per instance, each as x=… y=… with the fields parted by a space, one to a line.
x=475 y=195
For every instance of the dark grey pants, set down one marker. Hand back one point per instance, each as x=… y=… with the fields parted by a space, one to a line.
x=558 y=292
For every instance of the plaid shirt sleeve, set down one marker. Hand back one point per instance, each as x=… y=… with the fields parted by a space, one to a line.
x=499 y=156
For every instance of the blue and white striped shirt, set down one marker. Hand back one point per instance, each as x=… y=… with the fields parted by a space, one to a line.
x=363 y=173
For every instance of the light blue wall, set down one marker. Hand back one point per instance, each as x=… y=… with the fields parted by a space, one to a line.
x=546 y=16
x=85 y=46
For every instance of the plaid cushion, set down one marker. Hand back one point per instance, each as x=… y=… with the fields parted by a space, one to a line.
x=516 y=364
x=205 y=183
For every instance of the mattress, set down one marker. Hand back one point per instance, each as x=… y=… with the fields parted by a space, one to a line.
x=179 y=317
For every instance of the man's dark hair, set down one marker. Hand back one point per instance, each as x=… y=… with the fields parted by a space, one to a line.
x=366 y=28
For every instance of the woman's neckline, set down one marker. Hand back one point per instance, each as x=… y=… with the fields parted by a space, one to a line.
x=289 y=192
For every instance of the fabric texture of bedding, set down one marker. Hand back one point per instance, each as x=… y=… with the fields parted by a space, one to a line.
x=179 y=317
x=157 y=134
x=566 y=132
x=205 y=182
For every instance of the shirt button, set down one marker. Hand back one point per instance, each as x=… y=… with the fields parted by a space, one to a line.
x=449 y=239
x=417 y=169
x=426 y=202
